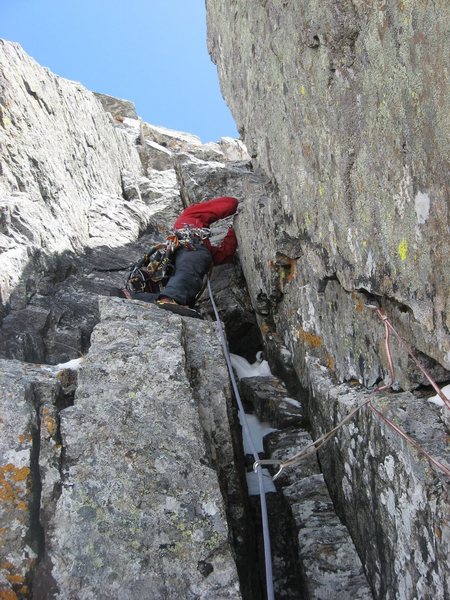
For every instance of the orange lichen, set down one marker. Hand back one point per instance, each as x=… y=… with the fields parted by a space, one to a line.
x=359 y=302
x=15 y=578
x=17 y=581
x=13 y=485
x=49 y=422
x=24 y=438
x=7 y=594
x=330 y=362
x=264 y=328
x=18 y=473
x=285 y=266
x=310 y=339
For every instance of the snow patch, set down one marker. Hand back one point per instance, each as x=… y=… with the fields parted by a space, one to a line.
x=292 y=402
x=258 y=430
x=73 y=364
x=243 y=368
x=437 y=399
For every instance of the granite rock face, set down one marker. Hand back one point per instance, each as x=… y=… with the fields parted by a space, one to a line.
x=113 y=189
x=140 y=512
x=118 y=496
x=90 y=472
x=84 y=191
x=344 y=109
x=394 y=502
x=61 y=169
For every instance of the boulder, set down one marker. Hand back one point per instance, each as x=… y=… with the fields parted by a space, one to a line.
x=140 y=512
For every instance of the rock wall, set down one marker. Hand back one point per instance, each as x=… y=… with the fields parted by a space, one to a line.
x=92 y=468
x=344 y=107
x=61 y=169
x=118 y=495
x=86 y=186
x=122 y=472
x=81 y=191
x=140 y=506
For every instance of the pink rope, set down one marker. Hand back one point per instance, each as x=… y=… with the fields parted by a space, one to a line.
x=406 y=437
x=389 y=327
x=323 y=439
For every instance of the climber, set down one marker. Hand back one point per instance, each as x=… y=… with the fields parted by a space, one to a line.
x=194 y=255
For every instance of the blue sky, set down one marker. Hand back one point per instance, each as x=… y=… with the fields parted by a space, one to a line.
x=152 y=52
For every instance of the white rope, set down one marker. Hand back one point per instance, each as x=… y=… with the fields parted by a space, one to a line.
x=257 y=467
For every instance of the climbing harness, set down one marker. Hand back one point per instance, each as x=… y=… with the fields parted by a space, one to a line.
x=153 y=271
x=257 y=467
x=188 y=233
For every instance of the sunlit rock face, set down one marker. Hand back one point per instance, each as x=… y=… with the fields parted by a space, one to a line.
x=85 y=187
x=344 y=107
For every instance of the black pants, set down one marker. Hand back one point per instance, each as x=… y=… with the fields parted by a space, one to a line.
x=191 y=265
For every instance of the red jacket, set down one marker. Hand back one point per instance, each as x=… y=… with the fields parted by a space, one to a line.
x=205 y=213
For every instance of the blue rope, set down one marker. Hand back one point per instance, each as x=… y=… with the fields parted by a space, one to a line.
x=257 y=466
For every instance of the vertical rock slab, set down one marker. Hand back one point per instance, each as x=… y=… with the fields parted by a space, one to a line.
x=16 y=489
x=61 y=158
x=28 y=454
x=344 y=105
x=71 y=179
x=393 y=500
x=140 y=513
